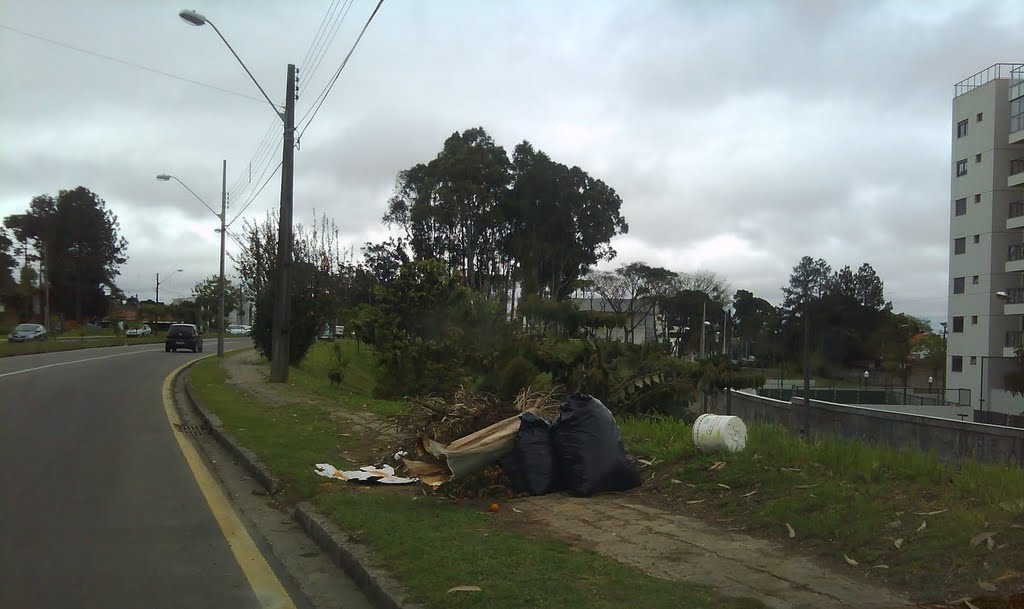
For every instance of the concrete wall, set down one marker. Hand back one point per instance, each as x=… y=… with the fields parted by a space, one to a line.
x=949 y=440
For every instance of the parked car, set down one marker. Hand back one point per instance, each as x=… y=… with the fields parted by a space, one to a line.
x=145 y=330
x=183 y=336
x=26 y=332
x=239 y=330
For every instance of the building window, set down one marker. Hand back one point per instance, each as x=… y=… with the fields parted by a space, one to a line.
x=958 y=285
x=958 y=324
x=977 y=198
x=961 y=129
x=974 y=360
x=977 y=158
x=957 y=363
x=974 y=320
x=961 y=168
x=974 y=280
x=977 y=239
x=979 y=116
x=959 y=245
x=1017 y=115
x=960 y=207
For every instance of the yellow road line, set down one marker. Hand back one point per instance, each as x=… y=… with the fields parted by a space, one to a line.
x=265 y=585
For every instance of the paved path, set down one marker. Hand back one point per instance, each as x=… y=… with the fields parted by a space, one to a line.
x=677 y=547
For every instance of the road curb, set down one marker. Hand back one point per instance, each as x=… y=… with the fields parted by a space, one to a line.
x=246 y=457
x=354 y=559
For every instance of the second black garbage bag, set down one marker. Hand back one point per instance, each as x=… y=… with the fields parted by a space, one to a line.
x=591 y=456
x=532 y=465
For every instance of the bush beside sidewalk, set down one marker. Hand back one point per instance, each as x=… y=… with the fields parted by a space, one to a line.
x=430 y=544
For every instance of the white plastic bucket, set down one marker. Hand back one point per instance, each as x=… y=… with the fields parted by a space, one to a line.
x=713 y=432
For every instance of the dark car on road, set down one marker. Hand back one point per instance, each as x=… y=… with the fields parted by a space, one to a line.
x=27 y=332
x=183 y=336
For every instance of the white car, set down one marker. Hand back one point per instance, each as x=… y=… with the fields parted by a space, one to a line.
x=145 y=330
x=239 y=330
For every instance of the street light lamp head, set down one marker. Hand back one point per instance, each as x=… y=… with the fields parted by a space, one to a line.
x=1002 y=295
x=163 y=177
x=192 y=17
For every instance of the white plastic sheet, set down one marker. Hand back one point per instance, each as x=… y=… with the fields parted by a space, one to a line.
x=384 y=474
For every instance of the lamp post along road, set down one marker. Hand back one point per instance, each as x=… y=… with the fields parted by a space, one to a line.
x=223 y=212
x=163 y=177
x=282 y=319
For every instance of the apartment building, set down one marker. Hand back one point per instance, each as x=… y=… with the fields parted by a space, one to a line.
x=986 y=249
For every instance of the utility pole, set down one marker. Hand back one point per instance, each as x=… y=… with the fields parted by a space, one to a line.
x=223 y=212
x=807 y=370
x=282 y=317
x=158 y=288
x=46 y=285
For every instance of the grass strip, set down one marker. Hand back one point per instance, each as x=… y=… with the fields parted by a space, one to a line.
x=903 y=509
x=430 y=544
x=8 y=349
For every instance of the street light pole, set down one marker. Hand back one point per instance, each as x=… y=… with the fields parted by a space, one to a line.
x=223 y=231
x=222 y=216
x=282 y=320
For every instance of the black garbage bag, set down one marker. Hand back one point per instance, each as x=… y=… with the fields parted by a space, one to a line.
x=531 y=465
x=591 y=456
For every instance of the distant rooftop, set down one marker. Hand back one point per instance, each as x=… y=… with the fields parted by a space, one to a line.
x=998 y=70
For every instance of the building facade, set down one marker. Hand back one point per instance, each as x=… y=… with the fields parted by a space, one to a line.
x=986 y=262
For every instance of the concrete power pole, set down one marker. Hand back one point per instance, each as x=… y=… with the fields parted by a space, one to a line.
x=223 y=212
x=282 y=317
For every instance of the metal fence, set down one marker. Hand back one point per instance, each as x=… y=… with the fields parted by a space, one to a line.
x=998 y=418
x=889 y=396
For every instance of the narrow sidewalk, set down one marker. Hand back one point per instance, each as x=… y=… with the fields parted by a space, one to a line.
x=680 y=548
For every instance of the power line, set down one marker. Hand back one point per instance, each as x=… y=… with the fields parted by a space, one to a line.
x=259 y=166
x=330 y=85
x=129 y=63
x=253 y=198
x=308 y=75
x=312 y=43
x=259 y=173
x=247 y=168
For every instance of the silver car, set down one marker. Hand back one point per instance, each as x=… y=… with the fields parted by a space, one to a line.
x=26 y=332
x=145 y=330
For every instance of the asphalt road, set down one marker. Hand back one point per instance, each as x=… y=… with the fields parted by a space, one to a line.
x=97 y=506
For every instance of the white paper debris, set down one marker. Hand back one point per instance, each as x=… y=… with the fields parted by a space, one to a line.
x=384 y=474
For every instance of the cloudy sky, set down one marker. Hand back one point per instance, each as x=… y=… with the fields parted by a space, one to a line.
x=740 y=135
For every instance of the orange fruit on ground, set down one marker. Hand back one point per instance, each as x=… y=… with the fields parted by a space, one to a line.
x=495 y=507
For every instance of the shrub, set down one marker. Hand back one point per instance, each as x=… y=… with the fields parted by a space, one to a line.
x=517 y=374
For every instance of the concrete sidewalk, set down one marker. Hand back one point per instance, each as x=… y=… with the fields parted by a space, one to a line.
x=676 y=547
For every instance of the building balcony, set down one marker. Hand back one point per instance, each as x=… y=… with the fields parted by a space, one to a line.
x=1014 y=341
x=1016 y=178
x=1015 y=258
x=1014 y=304
x=1015 y=216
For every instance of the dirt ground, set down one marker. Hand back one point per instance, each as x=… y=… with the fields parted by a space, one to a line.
x=659 y=542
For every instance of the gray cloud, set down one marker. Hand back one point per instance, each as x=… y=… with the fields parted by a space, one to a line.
x=740 y=135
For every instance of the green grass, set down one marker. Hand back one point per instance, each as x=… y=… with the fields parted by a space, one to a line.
x=358 y=383
x=432 y=544
x=50 y=346
x=849 y=498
